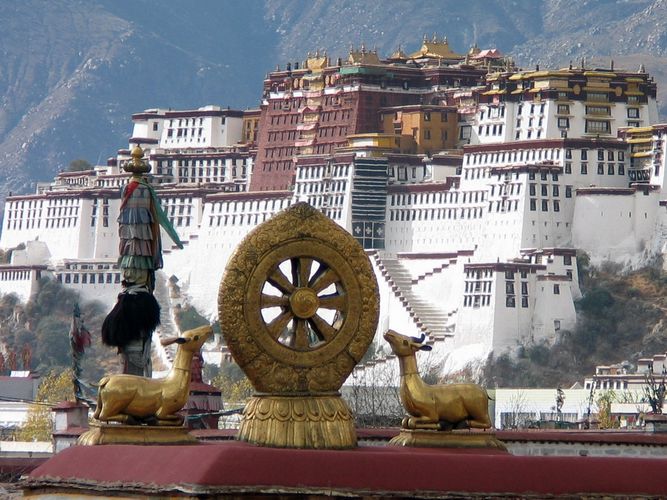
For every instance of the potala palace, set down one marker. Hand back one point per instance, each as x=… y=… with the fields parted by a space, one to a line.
x=471 y=184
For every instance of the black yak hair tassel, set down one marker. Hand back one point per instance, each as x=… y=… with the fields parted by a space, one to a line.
x=134 y=317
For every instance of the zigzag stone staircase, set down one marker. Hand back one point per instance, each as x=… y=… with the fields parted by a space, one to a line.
x=168 y=327
x=428 y=318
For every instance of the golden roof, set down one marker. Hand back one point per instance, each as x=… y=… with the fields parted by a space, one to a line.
x=399 y=54
x=363 y=56
x=436 y=49
x=316 y=62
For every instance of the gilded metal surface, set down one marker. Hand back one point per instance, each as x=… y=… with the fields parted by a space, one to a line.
x=137 y=166
x=298 y=308
x=130 y=399
x=323 y=422
x=453 y=439
x=134 y=434
x=435 y=407
x=298 y=266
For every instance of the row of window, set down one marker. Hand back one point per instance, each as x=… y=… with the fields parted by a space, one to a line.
x=511 y=156
x=269 y=205
x=185 y=122
x=185 y=132
x=401 y=173
x=443 y=197
x=436 y=214
x=544 y=190
x=88 y=278
x=583 y=169
x=321 y=187
x=478 y=286
x=545 y=205
x=492 y=112
x=495 y=129
x=276 y=166
x=196 y=162
x=476 y=300
x=323 y=171
x=583 y=154
x=15 y=275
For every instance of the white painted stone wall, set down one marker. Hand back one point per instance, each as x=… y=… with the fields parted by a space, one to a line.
x=618 y=227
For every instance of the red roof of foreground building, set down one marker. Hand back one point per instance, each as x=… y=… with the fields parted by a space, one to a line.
x=234 y=467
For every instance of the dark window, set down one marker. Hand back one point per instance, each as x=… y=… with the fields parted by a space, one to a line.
x=556 y=289
x=510 y=301
x=597 y=127
x=584 y=168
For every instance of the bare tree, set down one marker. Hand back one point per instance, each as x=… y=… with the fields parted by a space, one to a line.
x=517 y=416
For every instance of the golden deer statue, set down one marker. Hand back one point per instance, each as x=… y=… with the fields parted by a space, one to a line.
x=435 y=407
x=132 y=399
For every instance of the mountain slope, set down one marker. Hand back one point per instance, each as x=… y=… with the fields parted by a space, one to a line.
x=72 y=72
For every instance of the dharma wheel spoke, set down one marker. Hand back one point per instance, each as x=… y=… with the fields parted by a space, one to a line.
x=323 y=329
x=334 y=301
x=323 y=279
x=280 y=281
x=277 y=326
x=300 y=339
x=273 y=301
x=304 y=265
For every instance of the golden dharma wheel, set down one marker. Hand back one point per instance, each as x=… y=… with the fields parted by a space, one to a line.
x=298 y=303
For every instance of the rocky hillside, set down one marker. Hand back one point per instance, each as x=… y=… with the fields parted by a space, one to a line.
x=72 y=71
x=620 y=318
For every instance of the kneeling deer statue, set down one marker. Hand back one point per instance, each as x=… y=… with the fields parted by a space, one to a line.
x=435 y=406
x=133 y=399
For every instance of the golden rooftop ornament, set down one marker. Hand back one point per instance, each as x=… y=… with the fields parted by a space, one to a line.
x=137 y=166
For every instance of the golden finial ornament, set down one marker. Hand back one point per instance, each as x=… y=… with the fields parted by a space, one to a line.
x=137 y=165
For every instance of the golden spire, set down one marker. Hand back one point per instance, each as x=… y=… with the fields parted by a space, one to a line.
x=137 y=165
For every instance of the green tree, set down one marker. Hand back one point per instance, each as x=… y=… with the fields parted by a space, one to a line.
x=79 y=165
x=233 y=384
x=54 y=388
x=604 y=401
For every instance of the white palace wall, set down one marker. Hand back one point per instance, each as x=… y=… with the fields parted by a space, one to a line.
x=617 y=226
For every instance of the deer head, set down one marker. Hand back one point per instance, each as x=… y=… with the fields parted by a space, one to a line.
x=192 y=340
x=402 y=345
